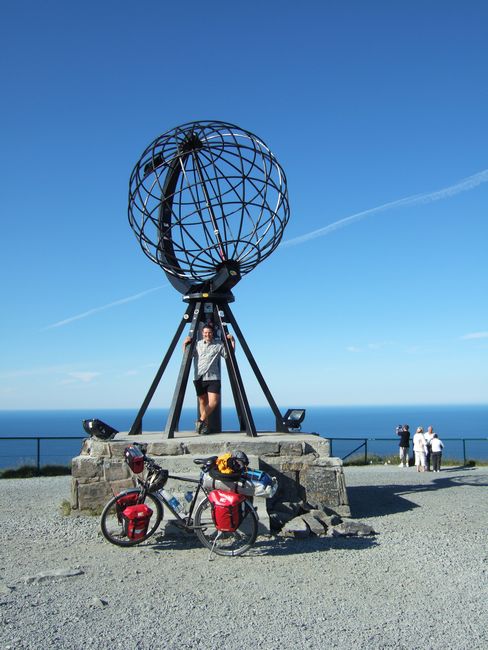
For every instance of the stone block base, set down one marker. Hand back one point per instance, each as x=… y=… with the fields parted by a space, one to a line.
x=307 y=476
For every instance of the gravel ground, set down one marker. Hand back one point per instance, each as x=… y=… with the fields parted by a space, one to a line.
x=420 y=583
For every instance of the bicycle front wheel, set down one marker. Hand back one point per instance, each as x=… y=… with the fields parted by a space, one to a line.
x=114 y=528
x=226 y=543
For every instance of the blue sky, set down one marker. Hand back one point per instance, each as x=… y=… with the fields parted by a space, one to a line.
x=376 y=111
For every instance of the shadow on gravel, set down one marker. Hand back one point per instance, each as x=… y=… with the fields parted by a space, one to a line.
x=381 y=500
x=174 y=542
x=269 y=546
x=378 y=500
x=295 y=546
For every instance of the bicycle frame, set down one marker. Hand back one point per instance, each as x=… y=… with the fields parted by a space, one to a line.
x=200 y=518
x=186 y=521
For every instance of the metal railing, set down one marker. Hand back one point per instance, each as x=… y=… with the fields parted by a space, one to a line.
x=37 y=440
x=364 y=445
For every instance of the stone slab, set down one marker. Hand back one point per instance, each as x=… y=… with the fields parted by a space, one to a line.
x=296 y=528
x=269 y=442
x=314 y=523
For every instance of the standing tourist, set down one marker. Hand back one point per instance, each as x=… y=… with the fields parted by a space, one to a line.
x=419 y=448
x=207 y=355
x=428 y=435
x=436 y=447
x=404 y=433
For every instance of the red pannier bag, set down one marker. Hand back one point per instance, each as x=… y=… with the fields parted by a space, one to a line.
x=126 y=500
x=226 y=509
x=136 y=519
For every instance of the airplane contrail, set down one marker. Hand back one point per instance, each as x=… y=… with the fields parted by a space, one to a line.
x=103 y=307
x=462 y=186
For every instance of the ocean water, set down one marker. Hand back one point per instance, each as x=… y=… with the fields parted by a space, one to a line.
x=343 y=424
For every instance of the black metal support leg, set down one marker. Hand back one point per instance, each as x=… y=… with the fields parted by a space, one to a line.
x=236 y=379
x=235 y=396
x=181 y=382
x=136 y=428
x=264 y=387
x=195 y=313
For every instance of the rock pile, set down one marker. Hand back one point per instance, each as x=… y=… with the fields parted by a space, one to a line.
x=321 y=524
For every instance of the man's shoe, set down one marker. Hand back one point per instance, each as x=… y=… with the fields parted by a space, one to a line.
x=203 y=429
x=198 y=424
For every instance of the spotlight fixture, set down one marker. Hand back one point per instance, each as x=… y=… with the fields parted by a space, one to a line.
x=293 y=419
x=98 y=429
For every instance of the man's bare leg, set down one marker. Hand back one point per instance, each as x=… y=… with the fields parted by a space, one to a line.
x=203 y=404
x=207 y=405
x=212 y=403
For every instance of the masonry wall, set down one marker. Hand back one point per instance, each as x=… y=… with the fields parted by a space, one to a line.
x=308 y=476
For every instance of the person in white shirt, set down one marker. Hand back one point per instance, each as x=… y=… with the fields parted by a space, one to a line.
x=419 y=448
x=428 y=435
x=436 y=447
x=206 y=355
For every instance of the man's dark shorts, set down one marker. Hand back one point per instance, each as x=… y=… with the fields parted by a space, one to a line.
x=207 y=386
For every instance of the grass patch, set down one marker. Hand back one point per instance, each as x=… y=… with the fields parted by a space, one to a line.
x=92 y=512
x=452 y=462
x=65 y=508
x=30 y=471
x=373 y=459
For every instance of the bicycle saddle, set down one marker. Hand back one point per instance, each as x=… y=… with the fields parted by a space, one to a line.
x=207 y=462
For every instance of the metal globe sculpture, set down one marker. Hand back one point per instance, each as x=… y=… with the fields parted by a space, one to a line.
x=206 y=196
x=208 y=202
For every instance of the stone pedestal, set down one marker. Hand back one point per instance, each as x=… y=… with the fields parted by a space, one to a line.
x=308 y=477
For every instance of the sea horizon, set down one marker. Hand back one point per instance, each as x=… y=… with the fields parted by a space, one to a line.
x=261 y=406
x=346 y=425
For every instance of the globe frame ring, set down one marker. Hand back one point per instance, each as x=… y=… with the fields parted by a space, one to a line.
x=206 y=194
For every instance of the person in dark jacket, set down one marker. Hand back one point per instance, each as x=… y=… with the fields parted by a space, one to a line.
x=404 y=432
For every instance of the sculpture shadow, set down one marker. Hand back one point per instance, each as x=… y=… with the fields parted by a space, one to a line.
x=378 y=500
x=382 y=500
x=280 y=546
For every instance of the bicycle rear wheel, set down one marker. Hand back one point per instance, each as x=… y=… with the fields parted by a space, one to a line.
x=223 y=543
x=113 y=526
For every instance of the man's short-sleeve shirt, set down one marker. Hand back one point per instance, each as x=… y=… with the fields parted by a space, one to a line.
x=207 y=360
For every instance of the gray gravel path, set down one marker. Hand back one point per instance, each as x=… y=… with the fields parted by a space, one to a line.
x=420 y=583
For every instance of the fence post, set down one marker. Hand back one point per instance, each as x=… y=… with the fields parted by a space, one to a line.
x=464 y=451
x=38 y=454
x=365 y=451
x=331 y=440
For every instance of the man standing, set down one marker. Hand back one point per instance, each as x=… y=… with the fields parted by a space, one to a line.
x=206 y=362
x=404 y=433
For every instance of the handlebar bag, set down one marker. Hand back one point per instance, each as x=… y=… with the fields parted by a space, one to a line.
x=134 y=458
x=227 y=509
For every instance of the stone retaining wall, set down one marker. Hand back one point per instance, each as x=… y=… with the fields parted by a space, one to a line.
x=308 y=477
